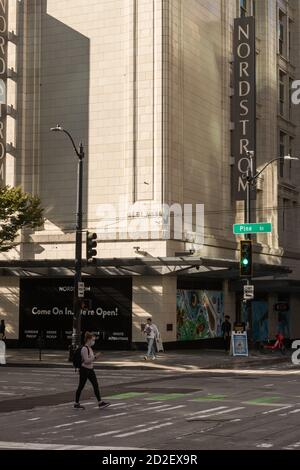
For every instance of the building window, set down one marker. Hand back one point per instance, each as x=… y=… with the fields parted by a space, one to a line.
x=290 y=99
x=281 y=92
x=243 y=8
x=281 y=32
x=281 y=152
x=290 y=38
x=285 y=208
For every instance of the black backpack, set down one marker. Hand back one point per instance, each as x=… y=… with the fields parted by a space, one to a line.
x=77 y=358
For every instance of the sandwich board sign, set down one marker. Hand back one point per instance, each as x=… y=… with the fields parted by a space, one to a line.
x=239 y=343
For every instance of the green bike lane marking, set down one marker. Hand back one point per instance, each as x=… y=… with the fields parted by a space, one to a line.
x=267 y=400
x=210 y=397
x=123 y=396
x=166 y=396
x=259 y=401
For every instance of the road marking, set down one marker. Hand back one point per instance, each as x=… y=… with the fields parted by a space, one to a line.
x=219 y=413
x=33 y=419
x=207 y=411
x=139 y=431
x=262 y=400
x=121 y=396
x=31 y=383
x=290 y=412
x=290 y=446
x=110 y=433
x=158 y=407
x=264 y=445
x=210 y=398
x=114 y=416
x=115 y=404
x=169 y=409
x=277 y=409
x=167 y=396
x=40 y=446
x=69 y=424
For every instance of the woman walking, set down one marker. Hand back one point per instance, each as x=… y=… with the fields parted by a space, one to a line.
x=86 y=371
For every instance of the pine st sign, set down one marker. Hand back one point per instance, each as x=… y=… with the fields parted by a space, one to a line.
x=263 y=227
x=244 y=103
x=3 y=80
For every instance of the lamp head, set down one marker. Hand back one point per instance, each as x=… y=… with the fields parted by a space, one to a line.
x=58 y=128
x=289 y=157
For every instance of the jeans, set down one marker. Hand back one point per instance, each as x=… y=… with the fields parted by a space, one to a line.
x=151 y=348
x=84 y=375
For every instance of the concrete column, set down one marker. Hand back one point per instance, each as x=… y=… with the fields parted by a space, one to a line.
x=154 y=297
x=9 y=305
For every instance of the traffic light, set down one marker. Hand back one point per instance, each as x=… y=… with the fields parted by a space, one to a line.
x=246 y=258
x=91 y=245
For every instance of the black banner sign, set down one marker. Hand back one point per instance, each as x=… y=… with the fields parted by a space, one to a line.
x=3 y=83
x=244 y=103
x=46 y=310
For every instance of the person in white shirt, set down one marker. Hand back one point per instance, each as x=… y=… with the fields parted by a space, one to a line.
x=151 y=332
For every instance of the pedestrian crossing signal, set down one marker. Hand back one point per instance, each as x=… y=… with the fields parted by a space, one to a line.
x=246 y=258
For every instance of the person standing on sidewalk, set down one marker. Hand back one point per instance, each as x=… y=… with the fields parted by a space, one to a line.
x=226 y=331
x=86 y=371
x=2 y=331
x=151 y=332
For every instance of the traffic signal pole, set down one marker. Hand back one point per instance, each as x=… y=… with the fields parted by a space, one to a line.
x=76 y=331
x=250 y=178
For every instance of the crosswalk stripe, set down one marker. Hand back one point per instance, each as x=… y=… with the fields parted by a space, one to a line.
x=170 y=408
x=114 y=416
x=218 y=413
x=69 y=424
x=40 y=446
x=158 y=407
x=111 y=433
x=139 y=431
x=207 y=411
x=277 y=409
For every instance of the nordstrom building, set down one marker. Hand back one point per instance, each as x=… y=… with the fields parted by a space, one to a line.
x=167 y=96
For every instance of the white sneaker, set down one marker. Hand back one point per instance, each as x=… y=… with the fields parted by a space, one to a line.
x=153 y=358
x=146 y=358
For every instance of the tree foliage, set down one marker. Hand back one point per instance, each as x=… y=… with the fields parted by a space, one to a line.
x=18 y=210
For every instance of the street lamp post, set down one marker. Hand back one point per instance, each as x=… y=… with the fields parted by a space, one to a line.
x=250 y=179
x=76 y=331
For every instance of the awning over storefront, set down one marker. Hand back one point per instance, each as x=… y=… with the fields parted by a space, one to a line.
x=141 y=266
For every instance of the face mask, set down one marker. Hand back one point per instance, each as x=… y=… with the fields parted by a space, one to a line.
x=92 y=342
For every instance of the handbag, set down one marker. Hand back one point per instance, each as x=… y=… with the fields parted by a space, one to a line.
x=159 y=345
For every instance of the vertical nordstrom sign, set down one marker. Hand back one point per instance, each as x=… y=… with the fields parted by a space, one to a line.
x=244 y=102
x=3 y=80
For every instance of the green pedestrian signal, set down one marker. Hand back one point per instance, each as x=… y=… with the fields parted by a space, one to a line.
x=91 y=245
x=246 y=258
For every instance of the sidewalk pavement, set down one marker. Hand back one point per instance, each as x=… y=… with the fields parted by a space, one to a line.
x=181 y=360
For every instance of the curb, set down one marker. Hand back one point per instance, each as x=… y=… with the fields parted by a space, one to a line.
x=258 y=361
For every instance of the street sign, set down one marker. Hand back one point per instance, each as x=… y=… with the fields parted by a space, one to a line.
x=248 y=292
x=241 y=229
x=80 y=289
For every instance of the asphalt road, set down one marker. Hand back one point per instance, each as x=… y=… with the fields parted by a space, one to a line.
x=247 y=409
